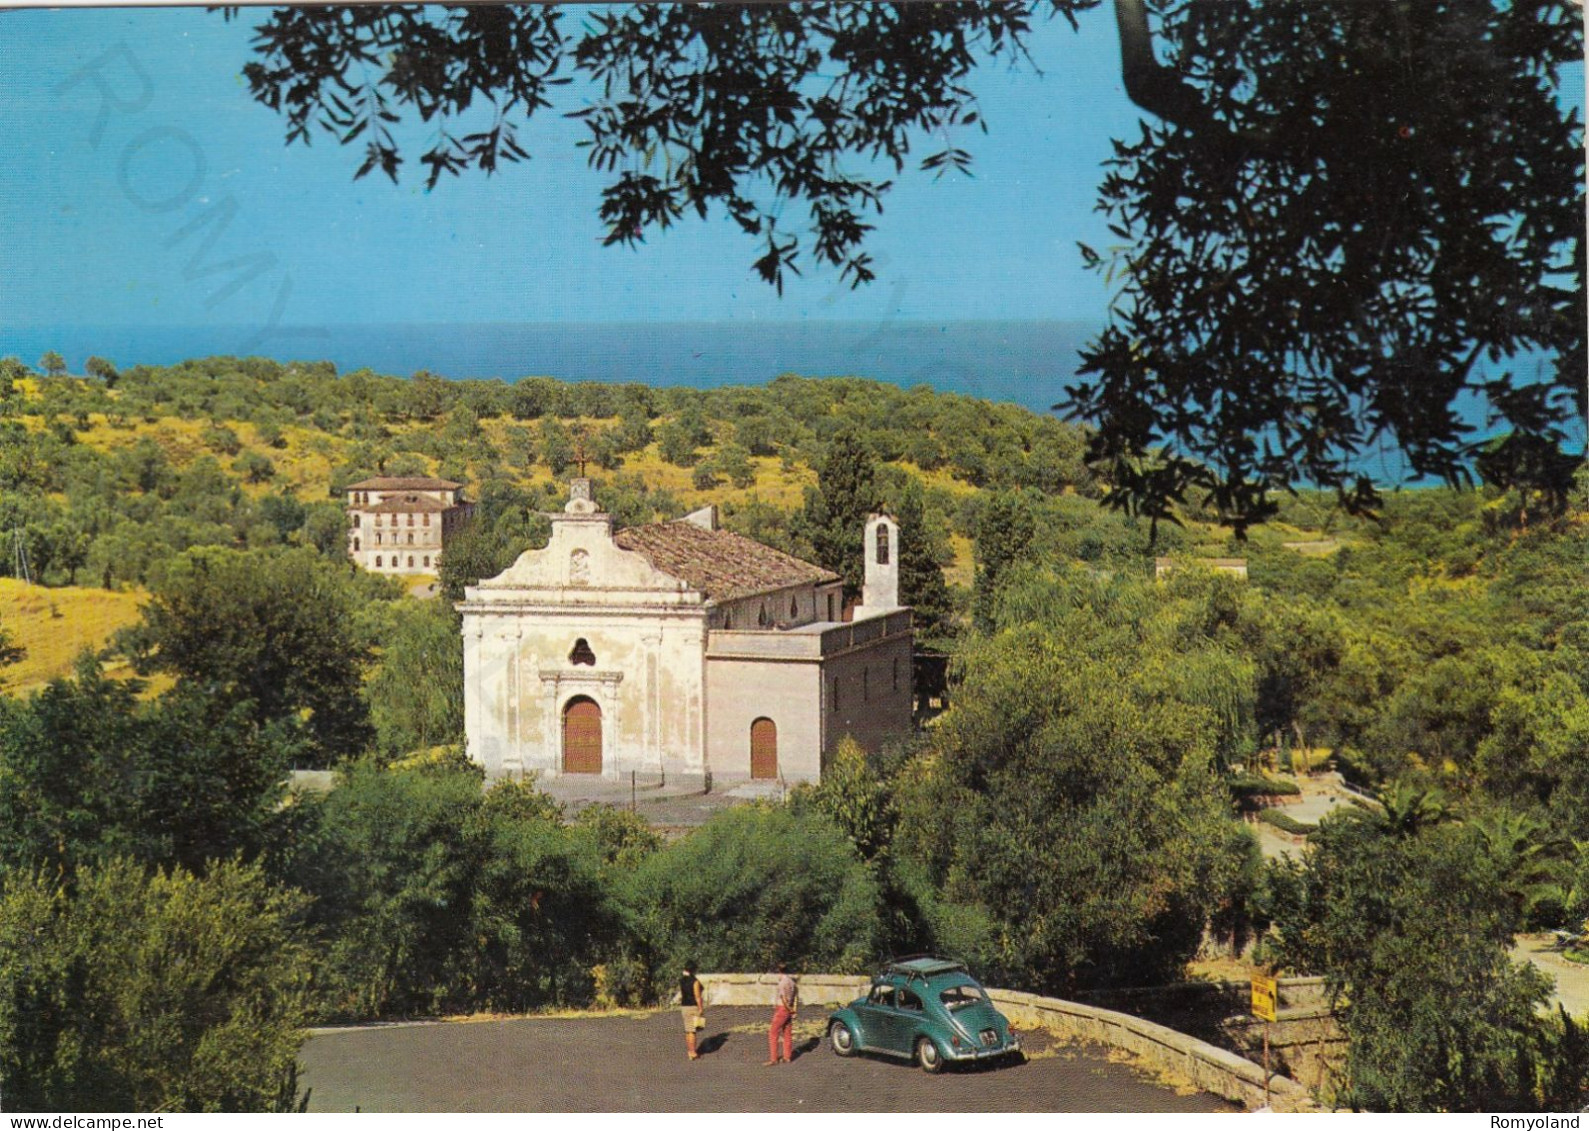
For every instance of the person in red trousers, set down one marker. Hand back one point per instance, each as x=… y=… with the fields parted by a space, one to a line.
x=787 y=1005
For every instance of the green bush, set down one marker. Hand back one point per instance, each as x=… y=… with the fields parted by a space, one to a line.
x=1285 y=822
x=151 y=992
x=757 y=885
x=1252 y=785
x=435 y=898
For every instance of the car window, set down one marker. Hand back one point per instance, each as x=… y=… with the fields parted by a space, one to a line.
x=958 y=997
x=882 y=995
x=908 y=1000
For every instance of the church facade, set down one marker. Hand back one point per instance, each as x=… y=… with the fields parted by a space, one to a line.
x=679 y=650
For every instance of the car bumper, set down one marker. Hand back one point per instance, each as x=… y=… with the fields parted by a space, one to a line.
x=984 y=1053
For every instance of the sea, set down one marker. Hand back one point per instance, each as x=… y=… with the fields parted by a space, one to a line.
x=1025 y=363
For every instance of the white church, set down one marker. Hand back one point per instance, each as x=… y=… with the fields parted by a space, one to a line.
x=679 y=650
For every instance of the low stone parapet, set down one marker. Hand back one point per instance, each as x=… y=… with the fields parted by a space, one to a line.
x=759 y=989
x=1207 y=1067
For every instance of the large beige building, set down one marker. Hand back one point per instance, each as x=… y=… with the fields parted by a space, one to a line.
x=399 y=524
x=680 y=650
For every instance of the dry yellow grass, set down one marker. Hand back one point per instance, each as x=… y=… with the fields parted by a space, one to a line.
x=54 y=625
x=962 y=571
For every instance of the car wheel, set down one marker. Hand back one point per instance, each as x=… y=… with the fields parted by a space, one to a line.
x=928 y=1056
x=842 y=1040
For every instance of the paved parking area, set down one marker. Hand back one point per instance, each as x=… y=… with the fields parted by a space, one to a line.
x=638 y=1063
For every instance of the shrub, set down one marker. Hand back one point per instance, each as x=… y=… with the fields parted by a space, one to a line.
x=436 y=898
x=1285 y=822
x=151 y=992
x=757 y=885
x=1252 y=785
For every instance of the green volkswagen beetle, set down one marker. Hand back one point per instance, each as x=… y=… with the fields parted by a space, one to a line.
x=925 y=1009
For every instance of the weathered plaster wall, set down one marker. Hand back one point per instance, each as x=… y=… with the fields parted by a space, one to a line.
x=740 y=691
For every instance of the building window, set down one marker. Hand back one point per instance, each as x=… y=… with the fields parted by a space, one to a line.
x=882 y=544
x=427 y=566
x=761 y=617
x=355 y=545
x=377 y=537
x=411 y=520
x=582 y=654
x=427 y=518
x=410 y=537
x=794 y=608
x=830 y=608
x=377 y=561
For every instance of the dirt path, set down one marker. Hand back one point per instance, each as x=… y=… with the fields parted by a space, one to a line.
x=1572 y=978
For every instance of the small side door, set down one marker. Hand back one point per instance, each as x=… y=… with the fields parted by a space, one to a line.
x=884 y=1024
x=911 y=1016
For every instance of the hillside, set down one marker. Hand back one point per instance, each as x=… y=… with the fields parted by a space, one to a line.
x=53 y=625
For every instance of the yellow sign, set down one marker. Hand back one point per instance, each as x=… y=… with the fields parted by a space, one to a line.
x=1265 y=992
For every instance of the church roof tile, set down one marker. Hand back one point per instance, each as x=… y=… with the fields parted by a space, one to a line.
x=404 y=483
x=406 y=504
x=723 y=565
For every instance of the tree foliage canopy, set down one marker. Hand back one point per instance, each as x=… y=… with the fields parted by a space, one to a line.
x=151 y=991
x=274 y=631
x=1345 y=211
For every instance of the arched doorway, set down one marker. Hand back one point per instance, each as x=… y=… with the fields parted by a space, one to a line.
x=582 y=736
x=763 y=749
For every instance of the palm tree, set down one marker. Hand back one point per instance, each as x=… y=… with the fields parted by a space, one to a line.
x=1532 y=861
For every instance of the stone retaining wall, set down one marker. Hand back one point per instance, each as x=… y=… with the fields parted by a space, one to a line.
x=1211 y=1069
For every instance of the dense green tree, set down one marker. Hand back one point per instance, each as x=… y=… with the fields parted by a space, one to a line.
x=733 y=460
x=435 y=897
x=1410 y=923
x=102 y=370
x=489 y=543
x=140 y=990
x=275 y=631
x=757 y=885
x=256 y=467
x=1064 y=732
x=53 y=364
x=88 y=771
x=1004 y=531
x=676 y=444
x=554 y=445
x=325 y=527
x=923 y=552
x=416 y=691
x=835 y=513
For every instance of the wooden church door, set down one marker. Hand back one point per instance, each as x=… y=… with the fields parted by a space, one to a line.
x=764 y=749
x=582 y=737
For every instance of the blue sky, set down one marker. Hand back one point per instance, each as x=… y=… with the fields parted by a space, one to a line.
x=130 y=133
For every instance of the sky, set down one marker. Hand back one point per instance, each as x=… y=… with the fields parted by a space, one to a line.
x=131 y=137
